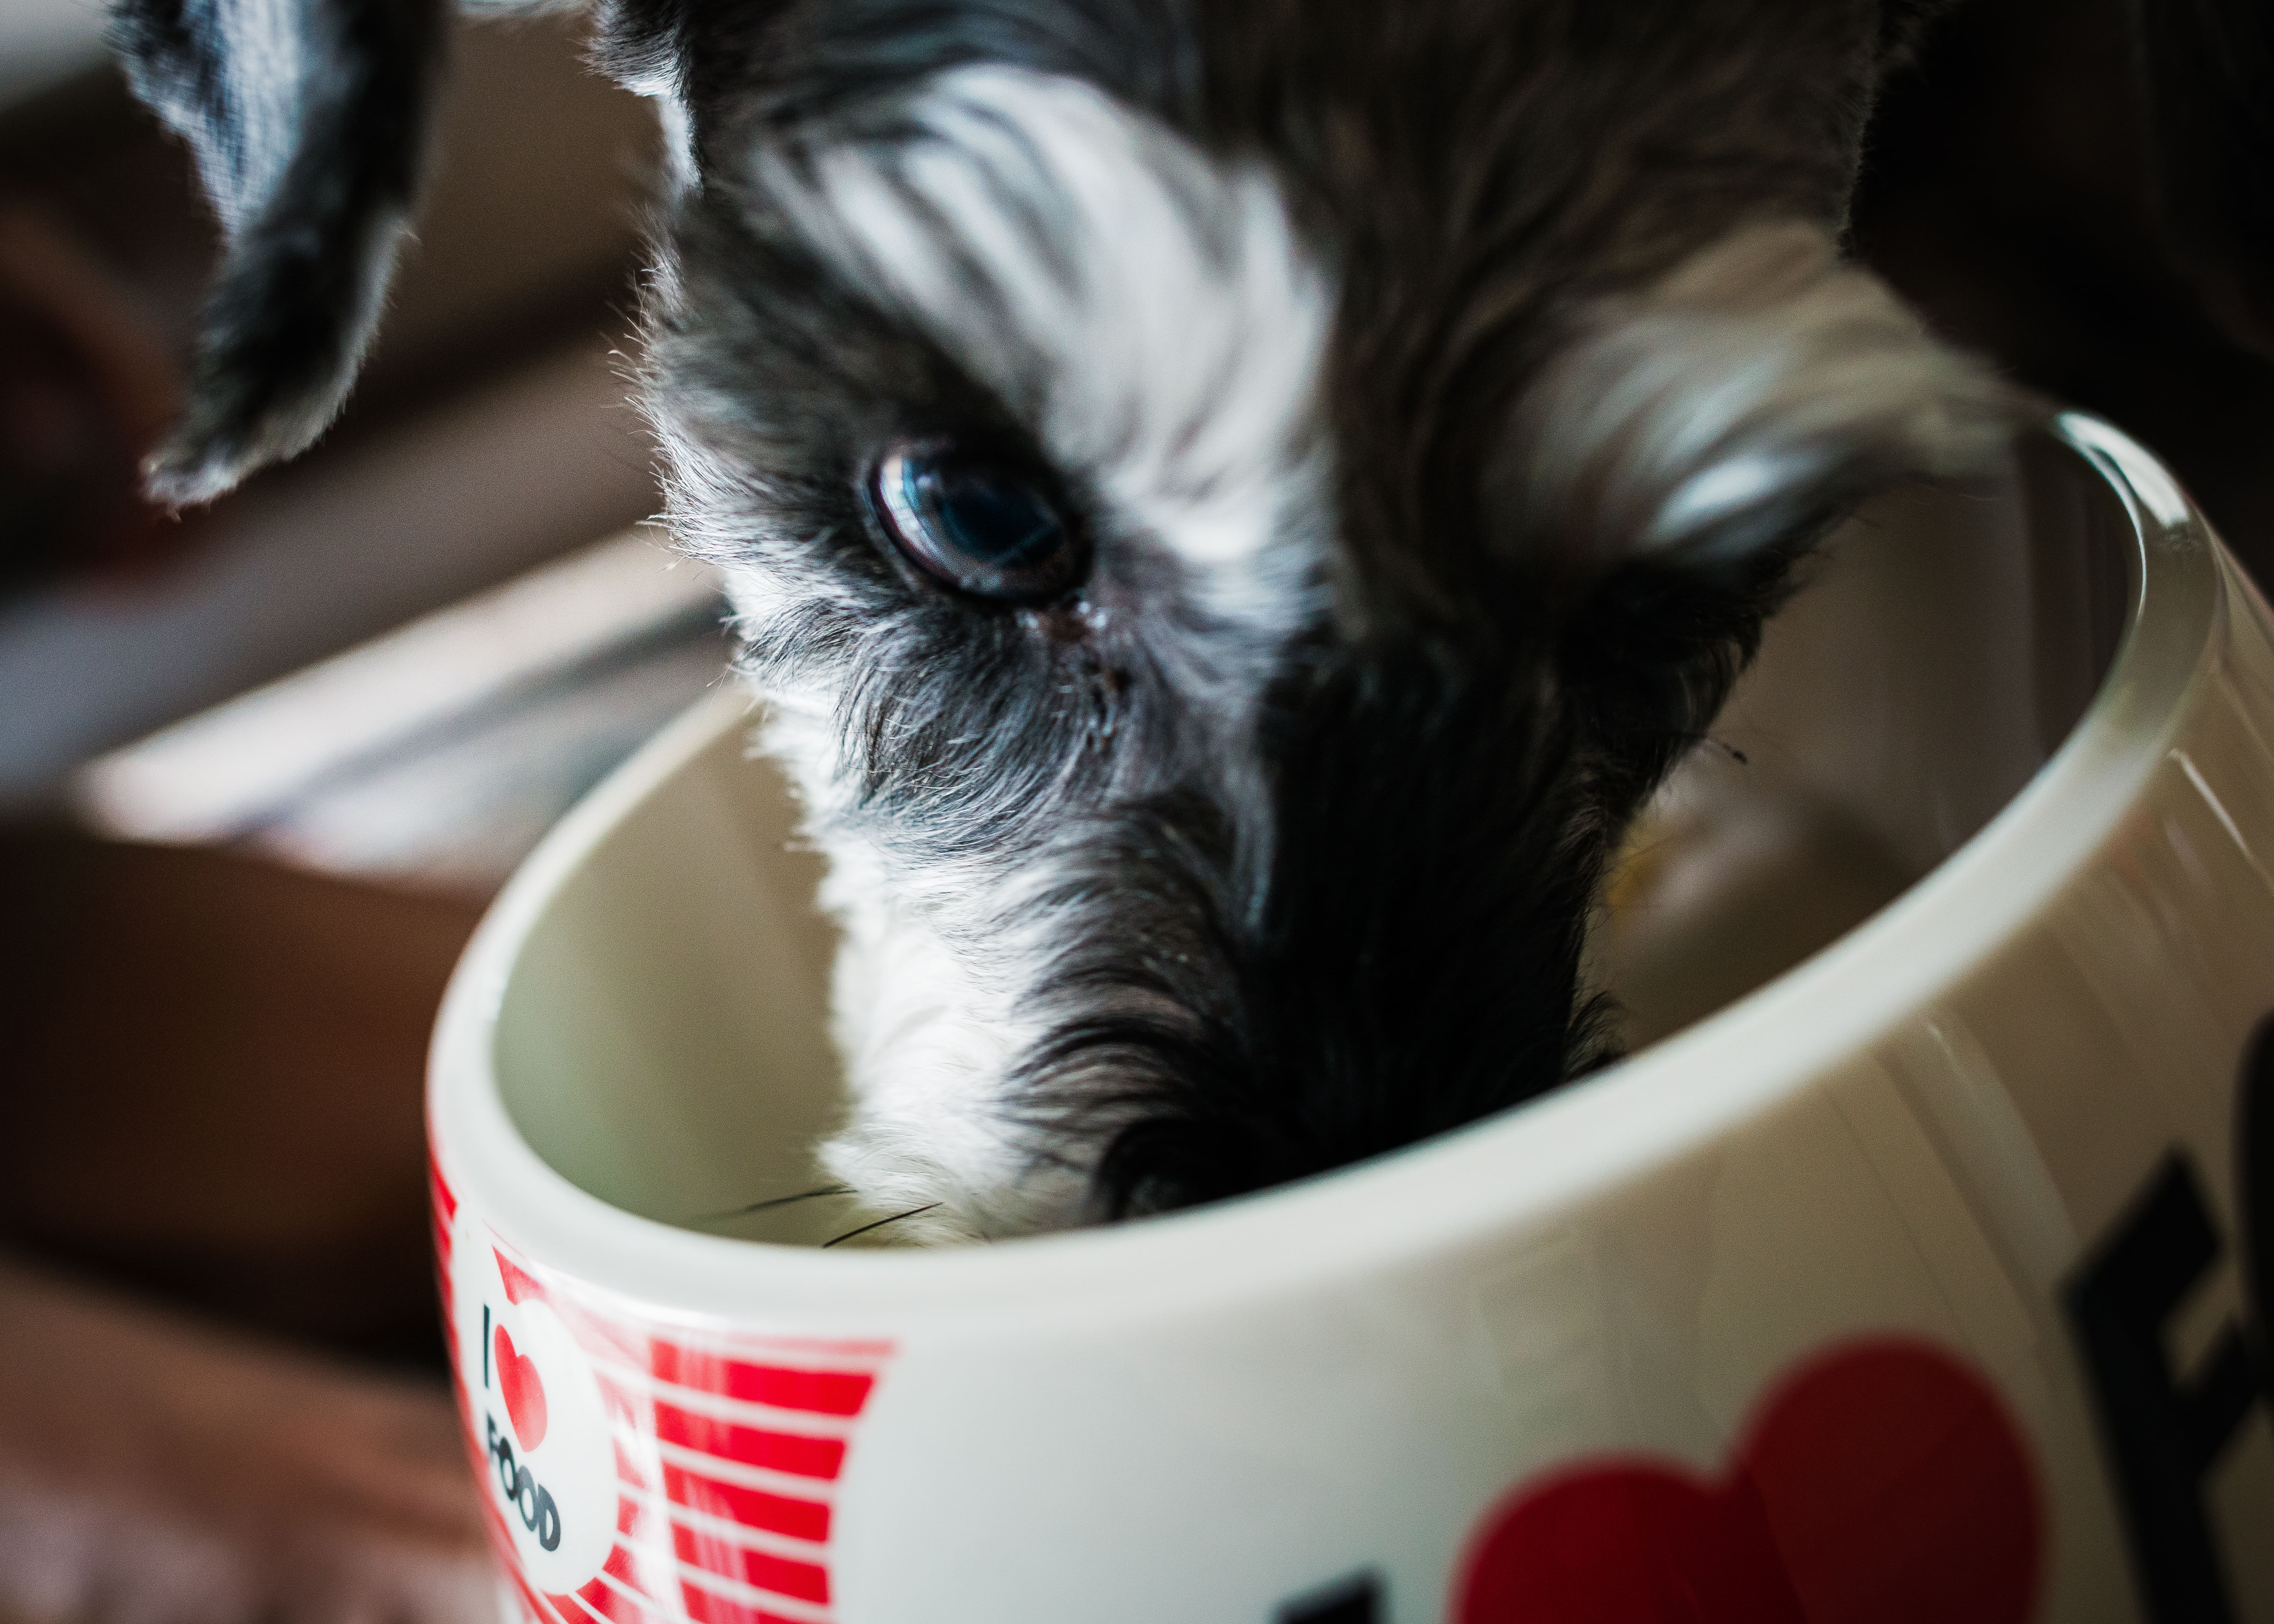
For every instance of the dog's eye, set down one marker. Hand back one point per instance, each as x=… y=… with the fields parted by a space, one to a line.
x=979 y=523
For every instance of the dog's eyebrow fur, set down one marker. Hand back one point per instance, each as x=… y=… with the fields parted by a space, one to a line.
x=1147 y=308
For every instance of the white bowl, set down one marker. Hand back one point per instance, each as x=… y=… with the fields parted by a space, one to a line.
x=1895 y=1290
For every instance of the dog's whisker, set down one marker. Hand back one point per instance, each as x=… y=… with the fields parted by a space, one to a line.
x=865 y=1228
x=767 y=1206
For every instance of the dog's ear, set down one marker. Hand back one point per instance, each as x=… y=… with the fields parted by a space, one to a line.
x=1735 y=406
x=309 y=121
x=2207 y=84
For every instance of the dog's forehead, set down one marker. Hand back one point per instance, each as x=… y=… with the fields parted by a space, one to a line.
x=1233 y=266
x=1450 y=116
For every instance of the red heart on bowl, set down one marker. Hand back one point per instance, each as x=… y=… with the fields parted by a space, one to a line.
x=524 y=1394
x=1881 y=1483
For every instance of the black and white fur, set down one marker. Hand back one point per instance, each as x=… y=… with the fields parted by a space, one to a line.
x=1446 y=389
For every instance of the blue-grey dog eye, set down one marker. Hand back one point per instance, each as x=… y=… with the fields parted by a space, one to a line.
x=981 y=524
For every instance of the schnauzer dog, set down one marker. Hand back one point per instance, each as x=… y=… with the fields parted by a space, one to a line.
x=1231 y=507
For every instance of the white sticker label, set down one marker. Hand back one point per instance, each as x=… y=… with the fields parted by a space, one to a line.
x=540 y=1427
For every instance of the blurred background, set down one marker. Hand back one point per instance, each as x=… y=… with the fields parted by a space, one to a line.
x=339 y=703
x=262 y=766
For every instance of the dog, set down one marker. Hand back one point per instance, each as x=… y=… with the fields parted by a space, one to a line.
x=1232 y=509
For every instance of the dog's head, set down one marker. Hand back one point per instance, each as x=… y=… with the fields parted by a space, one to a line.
x=1232 y=506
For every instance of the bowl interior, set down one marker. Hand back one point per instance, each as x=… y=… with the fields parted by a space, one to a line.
x=662 y=1035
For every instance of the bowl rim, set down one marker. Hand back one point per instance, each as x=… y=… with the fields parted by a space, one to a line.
x=1428 y=1200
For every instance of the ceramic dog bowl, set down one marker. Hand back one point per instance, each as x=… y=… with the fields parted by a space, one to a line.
x=1931 y=1280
